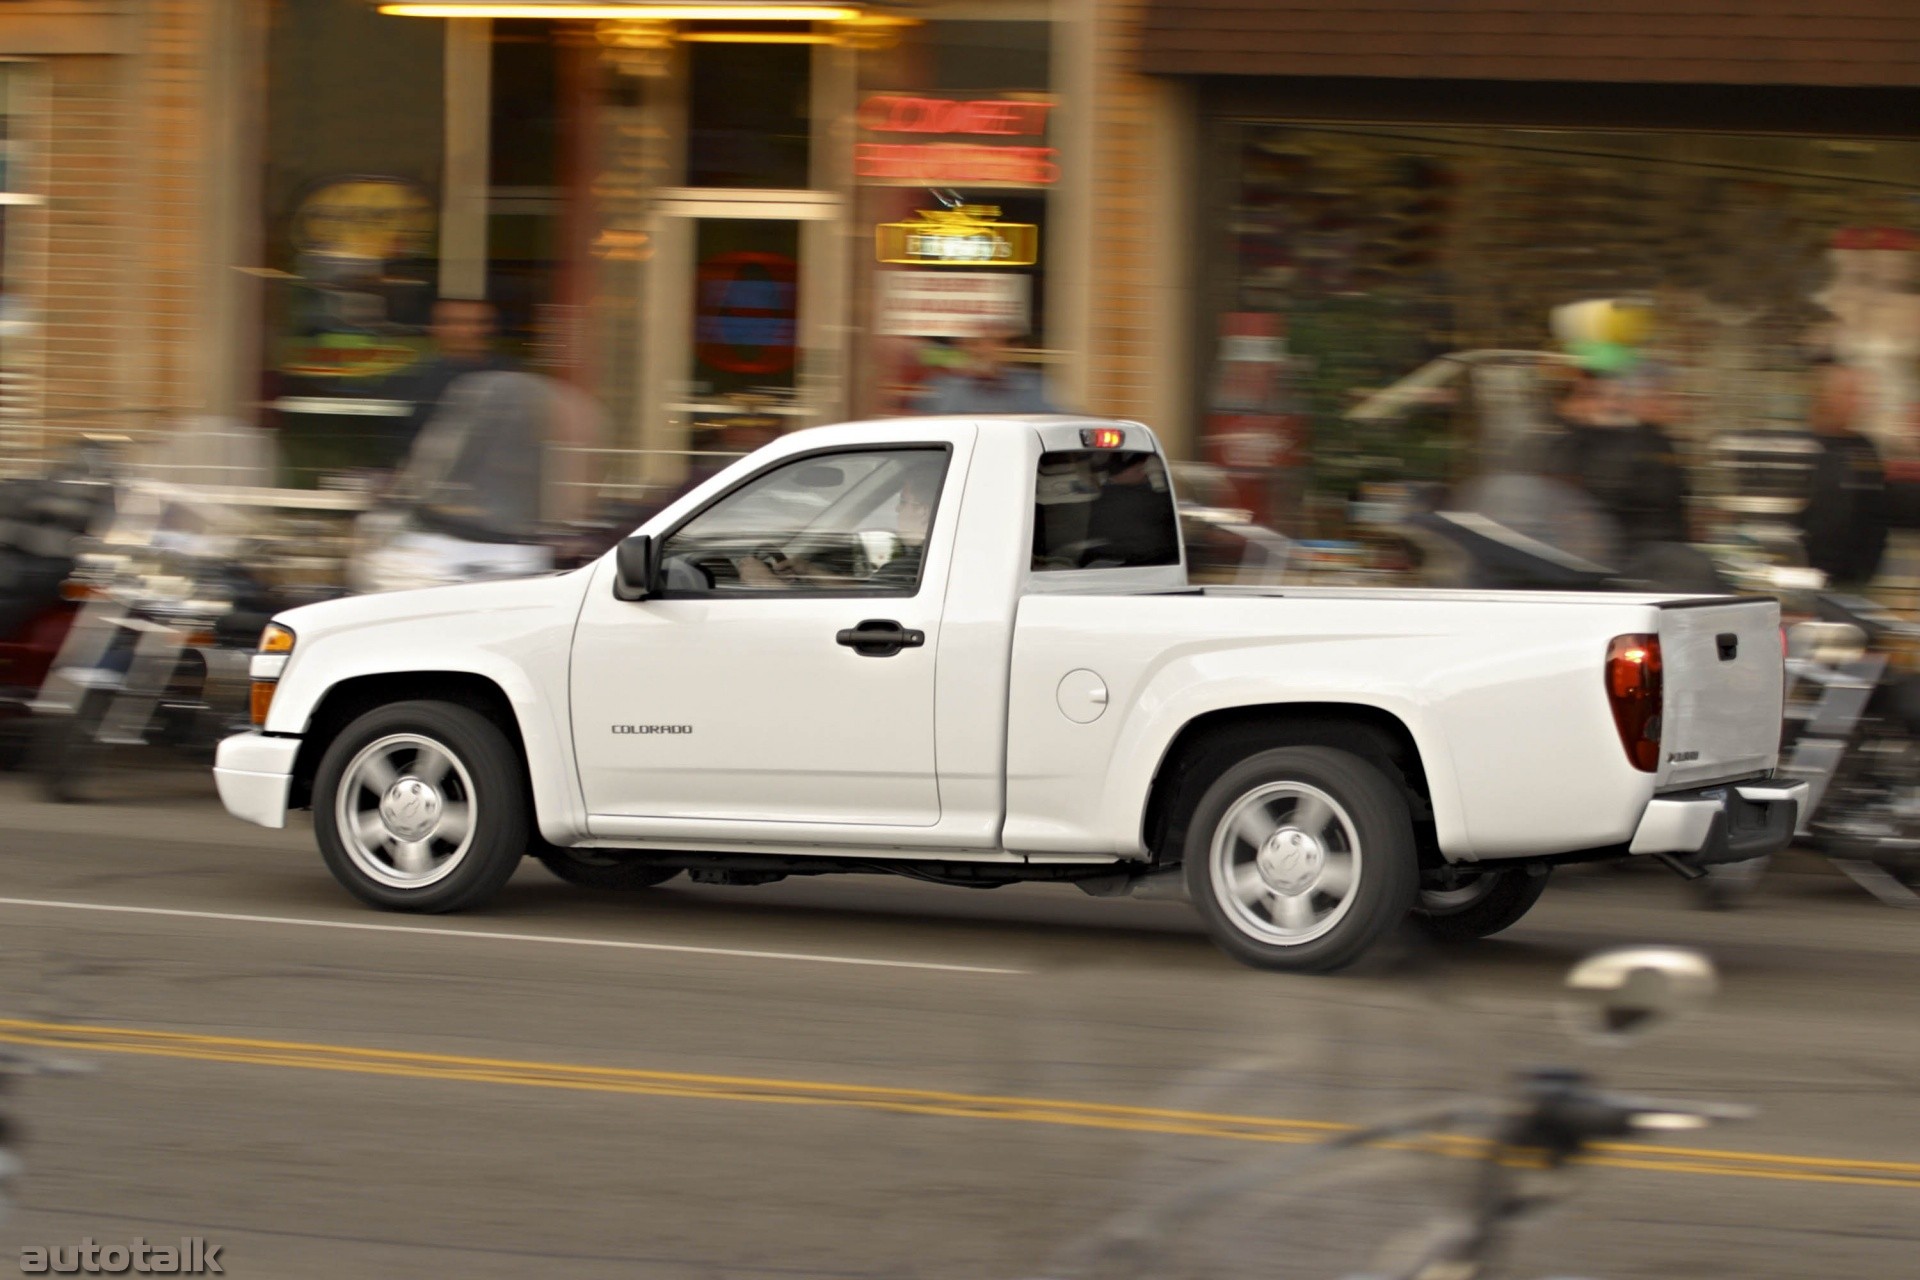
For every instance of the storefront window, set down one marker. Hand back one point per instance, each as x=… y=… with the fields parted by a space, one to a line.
x=355 y=129
x=1357 y=254
x=956 y=115
x=748 y=119
x=20 y=203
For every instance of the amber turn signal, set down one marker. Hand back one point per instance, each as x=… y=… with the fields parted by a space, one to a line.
x=276 y=639
x=262 y=702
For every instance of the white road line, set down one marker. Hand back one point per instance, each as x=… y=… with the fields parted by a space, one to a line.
x=492 y=936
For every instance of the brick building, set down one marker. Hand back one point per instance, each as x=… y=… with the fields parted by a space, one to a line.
x=120 y=235
x=1247 y=211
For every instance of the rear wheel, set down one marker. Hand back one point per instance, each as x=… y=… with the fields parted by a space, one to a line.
x=1301 y=858
x=592 y=869
x=1480 y=905
x=421 y=806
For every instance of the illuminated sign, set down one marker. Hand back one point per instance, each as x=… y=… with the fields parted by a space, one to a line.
x=950 y=164
x=747 y=309
x=955 y=163
x=970 y=236
x=994 y=117
x=378 y=219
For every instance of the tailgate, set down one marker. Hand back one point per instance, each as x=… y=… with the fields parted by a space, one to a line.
x=1723 y=677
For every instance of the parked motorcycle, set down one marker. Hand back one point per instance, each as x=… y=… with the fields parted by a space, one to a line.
x=1516 y=1153
x=43 y=521
x=1853 y=733
x=159 y=652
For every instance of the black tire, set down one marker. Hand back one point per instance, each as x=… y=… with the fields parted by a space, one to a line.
x=16 y=740
x=1481 y=907
x=67 y=750
x=484 y=775
x=594 y=869
x=1250 y=895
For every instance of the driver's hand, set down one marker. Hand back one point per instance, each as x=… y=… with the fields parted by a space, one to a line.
x=755 y=572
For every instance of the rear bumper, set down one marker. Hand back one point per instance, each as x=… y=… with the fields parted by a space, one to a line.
x=254 y=774
x=1728 y=823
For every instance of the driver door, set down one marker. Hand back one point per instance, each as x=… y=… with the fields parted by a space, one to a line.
x=737 y=695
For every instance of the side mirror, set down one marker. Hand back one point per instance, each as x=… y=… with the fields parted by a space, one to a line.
x=1618 y=995
x=635 y=568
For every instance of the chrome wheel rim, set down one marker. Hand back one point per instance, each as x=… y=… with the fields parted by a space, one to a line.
x=405 y=811
x=1285 y=860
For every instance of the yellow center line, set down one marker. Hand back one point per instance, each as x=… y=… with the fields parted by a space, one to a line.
x=930 y=1102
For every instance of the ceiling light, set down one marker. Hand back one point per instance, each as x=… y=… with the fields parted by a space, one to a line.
x=715 y=10
x=754 y=37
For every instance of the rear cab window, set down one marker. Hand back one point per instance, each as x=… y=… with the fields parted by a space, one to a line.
x=1103 y=509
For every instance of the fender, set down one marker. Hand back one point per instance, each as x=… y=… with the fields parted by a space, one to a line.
x=1179 y=694
x=516 y=634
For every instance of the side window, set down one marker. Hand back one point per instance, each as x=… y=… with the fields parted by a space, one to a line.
x=1103 y=509
x=831 y=524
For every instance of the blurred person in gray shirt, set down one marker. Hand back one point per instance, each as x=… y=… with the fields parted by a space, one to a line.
x=987 y=381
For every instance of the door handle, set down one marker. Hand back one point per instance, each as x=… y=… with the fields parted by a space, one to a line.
x=880 y=638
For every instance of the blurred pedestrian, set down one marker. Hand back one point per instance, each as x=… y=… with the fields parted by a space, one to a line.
x=1628 y=464
x=987 y=380
x=463 y=331
x=1845 y=520
x=501 y=467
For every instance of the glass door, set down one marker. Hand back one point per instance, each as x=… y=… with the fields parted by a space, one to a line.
x=743 y=347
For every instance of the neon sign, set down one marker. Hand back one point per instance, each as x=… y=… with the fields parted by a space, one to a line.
x=994 y=117
x=955 y=163
x=970 y=236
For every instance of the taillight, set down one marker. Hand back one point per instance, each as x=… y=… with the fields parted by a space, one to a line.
x=1633 y=687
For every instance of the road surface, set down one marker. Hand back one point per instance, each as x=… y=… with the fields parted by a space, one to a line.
x=862 y=1077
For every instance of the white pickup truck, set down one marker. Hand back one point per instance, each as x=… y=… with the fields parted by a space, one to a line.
x=966 y=651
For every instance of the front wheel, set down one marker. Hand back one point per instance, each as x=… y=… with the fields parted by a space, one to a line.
x=421 y=806
x=1481 y=905
x=1301 y=858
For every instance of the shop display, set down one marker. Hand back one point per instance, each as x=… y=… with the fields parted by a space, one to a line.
x=1378 y=248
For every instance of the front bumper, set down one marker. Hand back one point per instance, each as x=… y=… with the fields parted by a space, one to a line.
x=254 y=774
x=1731 y=822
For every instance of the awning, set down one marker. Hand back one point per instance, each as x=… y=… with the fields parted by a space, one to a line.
x=1842 y=43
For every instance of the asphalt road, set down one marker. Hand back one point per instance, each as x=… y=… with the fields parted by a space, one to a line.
x=875 y=1078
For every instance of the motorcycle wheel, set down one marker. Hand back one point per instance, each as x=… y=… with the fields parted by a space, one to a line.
x=66 y=749
x=16 y=739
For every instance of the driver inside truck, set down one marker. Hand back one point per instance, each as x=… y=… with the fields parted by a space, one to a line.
x=896 y=566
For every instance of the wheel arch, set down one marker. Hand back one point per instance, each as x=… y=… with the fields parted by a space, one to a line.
x=349 y=699
x=1211 y=742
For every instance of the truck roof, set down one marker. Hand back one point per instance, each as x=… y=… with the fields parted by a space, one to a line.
x=986 y=422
